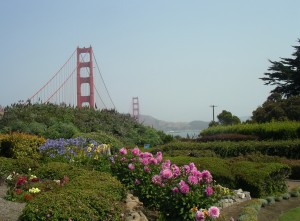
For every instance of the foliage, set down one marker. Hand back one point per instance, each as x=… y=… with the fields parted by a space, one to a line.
x=282 y=148
x=292 y=214
x=269 y=180
x=54 y=121
x=277 y=108
x=226 y=137
x=87 y=196
x=271 y=130
x=78 y=151
x=165 y=186
x=20 y=145
x=219 y=168
x=226 y=118
x=285 y=74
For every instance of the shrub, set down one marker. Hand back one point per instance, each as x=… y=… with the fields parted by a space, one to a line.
x=161 y=185
x=282 y=130
x=89 y=196
x=226 y=137
x=220 y=168
x=19 y=145
x=261 y=179
x=7 y=165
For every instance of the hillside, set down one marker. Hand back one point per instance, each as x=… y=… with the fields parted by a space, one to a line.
x=54 y=121
x=172 y=126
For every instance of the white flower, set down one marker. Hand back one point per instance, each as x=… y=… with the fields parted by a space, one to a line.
x=9 y=177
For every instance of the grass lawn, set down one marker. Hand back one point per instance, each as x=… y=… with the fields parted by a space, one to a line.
x=293 y=214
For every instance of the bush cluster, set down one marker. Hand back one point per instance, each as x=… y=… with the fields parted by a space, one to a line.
x=226 y=137
x=20 y=145
x=283 y=148
x=277 y=130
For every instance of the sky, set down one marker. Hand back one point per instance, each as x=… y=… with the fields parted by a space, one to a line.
x=178 y=57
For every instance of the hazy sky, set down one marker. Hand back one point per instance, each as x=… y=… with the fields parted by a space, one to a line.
x=178 y=57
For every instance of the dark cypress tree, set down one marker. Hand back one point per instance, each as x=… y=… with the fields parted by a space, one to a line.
x=285 y=74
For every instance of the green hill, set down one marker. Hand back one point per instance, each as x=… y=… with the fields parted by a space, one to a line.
x=58 y=121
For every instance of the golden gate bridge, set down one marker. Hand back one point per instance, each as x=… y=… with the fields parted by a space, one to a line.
x=78 y=83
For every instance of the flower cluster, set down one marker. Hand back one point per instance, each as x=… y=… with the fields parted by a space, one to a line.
x=26 y=187
x=164 y=185
x=202 y=214
x=74 y=149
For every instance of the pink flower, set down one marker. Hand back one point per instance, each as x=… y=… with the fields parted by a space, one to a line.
x=175 y=170
x=186 y=169
x=209 y=191
x=175 y=190
x=146 y=169
x=206 y=176
x=159 y=156
x=214 y=212
x=156 y=179
x=193 y=180
x=166 y=164
x=131 y=166
x=123 y=159
x=184 y=188
x=166 y=174
x=153 y=161
x=135 y=151
x=137 y=182
x=123 y=151
x=200 y=216
x=145 y=161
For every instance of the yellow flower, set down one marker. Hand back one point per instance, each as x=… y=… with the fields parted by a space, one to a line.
x=34 y=190
x=89 y=149
x=96 y=157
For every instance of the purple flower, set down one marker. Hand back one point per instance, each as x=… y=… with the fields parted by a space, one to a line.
x=175 y=170
x=209 y=191
x=153 y=161
x=159 y=156
x=123 y=151
x=166 y=164
x=214 y=212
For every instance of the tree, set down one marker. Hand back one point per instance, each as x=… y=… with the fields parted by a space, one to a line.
x=226 y=118
x=278 y=109
x=285 y=75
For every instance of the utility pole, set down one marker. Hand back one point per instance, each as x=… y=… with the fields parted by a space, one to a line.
x=213 y=107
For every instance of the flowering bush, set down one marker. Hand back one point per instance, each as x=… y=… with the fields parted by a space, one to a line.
x=165 y=186
x=78 y=150
x=24 y=188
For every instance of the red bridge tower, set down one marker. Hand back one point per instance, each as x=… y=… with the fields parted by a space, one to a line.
x=81 y=99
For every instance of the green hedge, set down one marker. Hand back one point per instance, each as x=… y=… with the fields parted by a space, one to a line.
x=284 y=148
x=89 y=195
x=281 y=130
x=261 y=179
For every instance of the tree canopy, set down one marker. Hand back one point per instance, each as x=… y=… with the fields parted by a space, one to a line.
x=277 y=108
x=226 y=118
x=285 y=75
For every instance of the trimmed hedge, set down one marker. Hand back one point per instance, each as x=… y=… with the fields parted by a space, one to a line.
x=277 y=130
x=261 y=179
x=19 y=145
x=284 y=148
x=89 y=195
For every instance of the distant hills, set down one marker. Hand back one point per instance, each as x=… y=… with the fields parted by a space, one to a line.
x=172 y=126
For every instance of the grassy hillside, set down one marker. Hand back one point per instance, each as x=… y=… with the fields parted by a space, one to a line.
x=54 y=121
